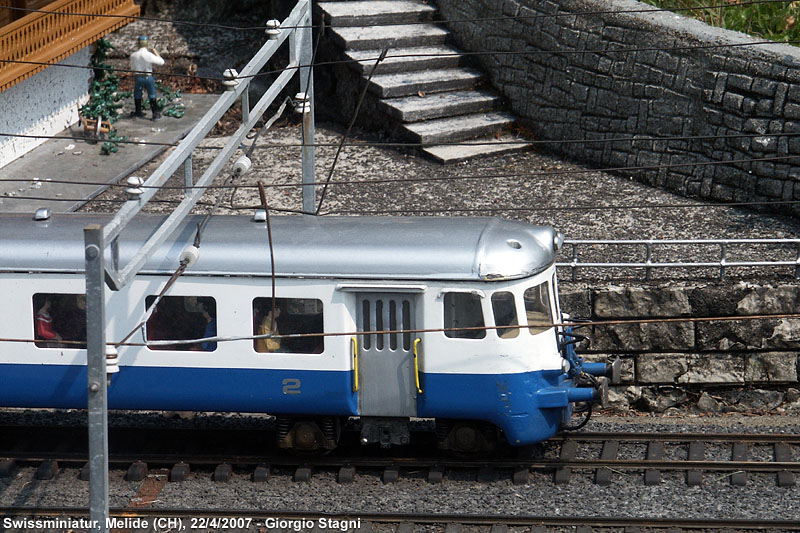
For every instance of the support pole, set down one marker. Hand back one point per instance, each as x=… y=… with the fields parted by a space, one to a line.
x=306 y=54
x=96 y=372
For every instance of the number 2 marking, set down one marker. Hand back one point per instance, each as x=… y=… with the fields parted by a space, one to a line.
x=291 y=386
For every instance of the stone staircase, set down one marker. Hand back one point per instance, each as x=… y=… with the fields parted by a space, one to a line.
x=426 y=90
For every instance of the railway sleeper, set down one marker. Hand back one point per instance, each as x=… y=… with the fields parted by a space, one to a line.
x=7 y=468
x=137 y=471
x=261 y=474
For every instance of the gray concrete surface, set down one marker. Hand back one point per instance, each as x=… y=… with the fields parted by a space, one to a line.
x=33 y=181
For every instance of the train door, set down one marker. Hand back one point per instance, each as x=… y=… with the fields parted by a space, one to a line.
x=387 y=379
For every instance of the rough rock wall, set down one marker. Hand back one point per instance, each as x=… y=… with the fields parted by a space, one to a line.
x=677 y=83
x=723 y=365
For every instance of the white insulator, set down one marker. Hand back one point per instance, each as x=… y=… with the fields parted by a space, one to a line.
x=230 y=76
x=112 y=360
x=302 y=103
x=273 y=29
x=242 y=165
x=43 y=213
x=134 y=189
x=261 y=216
x=189 y=255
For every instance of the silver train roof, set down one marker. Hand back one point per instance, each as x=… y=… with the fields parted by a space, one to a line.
x=417 y=248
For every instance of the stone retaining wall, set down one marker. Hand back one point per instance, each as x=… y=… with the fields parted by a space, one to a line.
x=669 y=87
x=712 y=365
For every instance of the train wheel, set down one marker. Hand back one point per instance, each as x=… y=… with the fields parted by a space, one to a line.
x=308 y=434
x=464 y=436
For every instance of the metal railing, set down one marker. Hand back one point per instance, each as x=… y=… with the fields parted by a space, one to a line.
x=51 y=37
x=661 y=254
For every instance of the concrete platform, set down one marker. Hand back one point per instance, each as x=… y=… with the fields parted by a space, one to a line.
x=29 y=182
x=400 y=36
x=415 y=108
x=455 y=129
x=487 y=146
x=427 y=81
x=364 y=12
x=406 y=59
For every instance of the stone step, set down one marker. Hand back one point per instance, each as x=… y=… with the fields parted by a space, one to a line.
x=406 y=59
x=415 y=108
x=372 y=12
x=456 y=129
x=380 y=37
x=426 y=81
x=481 y=147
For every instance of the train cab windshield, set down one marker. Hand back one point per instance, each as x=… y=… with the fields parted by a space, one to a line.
x=464 y=313
x=537 y=308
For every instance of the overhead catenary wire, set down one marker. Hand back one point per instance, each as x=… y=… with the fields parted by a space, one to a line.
x=649 y=10
x=501 y=175
x=487 y=209
x=590 y=323
x=393 y=144
x=623 y=50
x=349 y=128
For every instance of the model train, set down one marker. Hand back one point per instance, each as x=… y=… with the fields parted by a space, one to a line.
x=385 y=319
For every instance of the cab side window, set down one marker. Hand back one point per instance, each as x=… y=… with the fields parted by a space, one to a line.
x=292 y=316
x=463 y=310
x=505 y=314
x=537 y=309
x=181 y=318
x=59 y=320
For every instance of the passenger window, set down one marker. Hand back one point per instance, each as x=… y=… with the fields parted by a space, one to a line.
x=59 y=320
x=505 y=314
x=463 y=310
x=293 y=316
x=181 y=318
x=537 y=308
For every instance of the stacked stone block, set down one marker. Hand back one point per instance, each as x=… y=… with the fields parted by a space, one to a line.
x=646 y=77
x=693 y=357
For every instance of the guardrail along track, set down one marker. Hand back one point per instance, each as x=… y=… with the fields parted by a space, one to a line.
x=605 y=454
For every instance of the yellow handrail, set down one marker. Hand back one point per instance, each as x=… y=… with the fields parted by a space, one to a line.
x=354 y=345
x=51 y=37
x=416 y=364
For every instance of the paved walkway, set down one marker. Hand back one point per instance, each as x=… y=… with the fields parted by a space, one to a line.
x=81 y=163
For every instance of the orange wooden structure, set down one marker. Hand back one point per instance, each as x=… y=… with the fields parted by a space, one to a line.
x=51 y=37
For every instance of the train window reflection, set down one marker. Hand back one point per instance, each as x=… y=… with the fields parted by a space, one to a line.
x=59 y=320
x=537 y=309
x=293 y=316
x=505 y=314
x=181 y=318
x=463 y=310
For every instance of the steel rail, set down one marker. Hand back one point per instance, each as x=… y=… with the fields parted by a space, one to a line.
x=415 y=462
x=762 y=438
x=258 y=516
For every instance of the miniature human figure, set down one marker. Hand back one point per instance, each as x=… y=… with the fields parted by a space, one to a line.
x=44 y=325
x=210 y=331
x=142 y=61
x=268 y=344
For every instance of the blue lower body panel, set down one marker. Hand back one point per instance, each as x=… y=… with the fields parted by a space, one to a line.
x=510 y=401
x=189 y=389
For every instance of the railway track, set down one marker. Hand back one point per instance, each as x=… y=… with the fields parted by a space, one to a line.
x=606 y=455
x=243 y=520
